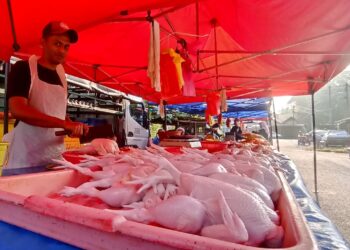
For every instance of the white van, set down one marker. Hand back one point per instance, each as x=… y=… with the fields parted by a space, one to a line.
x=127 y=114
x=135 y=124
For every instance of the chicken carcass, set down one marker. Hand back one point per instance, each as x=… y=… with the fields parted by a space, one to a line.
x=179 y=212
x=258 y=224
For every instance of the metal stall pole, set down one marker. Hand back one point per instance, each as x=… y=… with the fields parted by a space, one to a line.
x=197 y=32
x=6 y=108
x=148 y=119
x=270 y=125
x=276 y=130
x=164 y=122
x=214 y=22
x=314 y=142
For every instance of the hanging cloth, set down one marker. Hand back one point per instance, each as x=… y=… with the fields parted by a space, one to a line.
x=153 y=70
x=170 y=85
x=178 y=60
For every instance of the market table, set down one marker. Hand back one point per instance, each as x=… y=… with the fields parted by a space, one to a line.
x=326 y=234
x=13 y=237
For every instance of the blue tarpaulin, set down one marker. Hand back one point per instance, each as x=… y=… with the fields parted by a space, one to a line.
x=16 y=238
x=242 y=108
x=325 y=232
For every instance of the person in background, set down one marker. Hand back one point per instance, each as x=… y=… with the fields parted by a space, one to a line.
x=217 y=132
x=37 y=96
x=236 y=130
x=227 y=129
x=156 y=139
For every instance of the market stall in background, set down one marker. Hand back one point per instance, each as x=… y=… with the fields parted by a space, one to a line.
x=235 y=194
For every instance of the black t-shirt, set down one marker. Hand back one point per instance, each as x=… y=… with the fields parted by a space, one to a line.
x=236 y=129
x=237 y=132
x=19 y=78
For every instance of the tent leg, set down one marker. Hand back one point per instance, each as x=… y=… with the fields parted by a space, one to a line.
x=270 y=126
x=6 y=108
x=276 y=130
x=164 y=122
x=15 y=44
x=314 y=144
x=197 y=31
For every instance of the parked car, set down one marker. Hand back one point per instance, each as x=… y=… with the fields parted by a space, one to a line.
x=336 y=138
x=319 y=134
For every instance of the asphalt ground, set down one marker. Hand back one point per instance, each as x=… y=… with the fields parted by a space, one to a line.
x=333 y=178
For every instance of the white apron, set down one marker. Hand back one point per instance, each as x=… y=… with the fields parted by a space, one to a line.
x=35 y=146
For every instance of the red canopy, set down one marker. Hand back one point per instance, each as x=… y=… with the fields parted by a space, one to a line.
x=250 y=48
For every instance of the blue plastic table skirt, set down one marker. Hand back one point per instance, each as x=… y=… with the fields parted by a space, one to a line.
x=13 y=238
x=325 y=232
x=27 y=170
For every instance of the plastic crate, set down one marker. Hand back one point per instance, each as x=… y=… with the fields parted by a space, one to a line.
x=71 y=143
x=11 y=123
x=3 y=151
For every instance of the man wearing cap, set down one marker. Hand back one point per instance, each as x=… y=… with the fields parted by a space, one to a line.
x=37 y=95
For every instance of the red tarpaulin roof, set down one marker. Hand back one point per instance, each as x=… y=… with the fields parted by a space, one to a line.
x=264 y=48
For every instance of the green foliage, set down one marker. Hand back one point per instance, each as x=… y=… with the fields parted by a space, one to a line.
x=332 y=103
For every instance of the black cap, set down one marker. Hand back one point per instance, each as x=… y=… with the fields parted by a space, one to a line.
x=59 y=28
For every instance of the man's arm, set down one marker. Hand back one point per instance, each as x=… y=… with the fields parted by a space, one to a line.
x=21 y=110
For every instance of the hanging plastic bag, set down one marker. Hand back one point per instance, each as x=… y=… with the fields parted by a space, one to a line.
x=161 y=109
x=223 y=100
x=213 y=103
x=220 y=119
x=189 y=88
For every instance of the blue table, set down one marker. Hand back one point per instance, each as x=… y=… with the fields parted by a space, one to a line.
x=13 y=238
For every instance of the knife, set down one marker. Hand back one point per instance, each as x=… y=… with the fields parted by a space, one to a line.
x=100 y=131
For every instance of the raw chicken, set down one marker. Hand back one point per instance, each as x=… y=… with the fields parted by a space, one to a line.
x=254 y=216
x=180 y=212
x=245 y=183
x=232 y=229
x=209 y=169
x=115 y=196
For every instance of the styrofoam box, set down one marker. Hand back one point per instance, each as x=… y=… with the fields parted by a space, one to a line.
x=24 y=202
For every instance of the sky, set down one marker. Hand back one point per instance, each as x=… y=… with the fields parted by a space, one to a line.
x=281 y=102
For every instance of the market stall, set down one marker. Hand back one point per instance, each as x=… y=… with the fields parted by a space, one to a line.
x=250 y=49
x=233 y=50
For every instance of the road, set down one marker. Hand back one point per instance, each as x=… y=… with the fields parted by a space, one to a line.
x=333 y=171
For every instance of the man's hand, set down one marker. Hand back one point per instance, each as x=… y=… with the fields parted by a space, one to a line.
x=76 y=129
